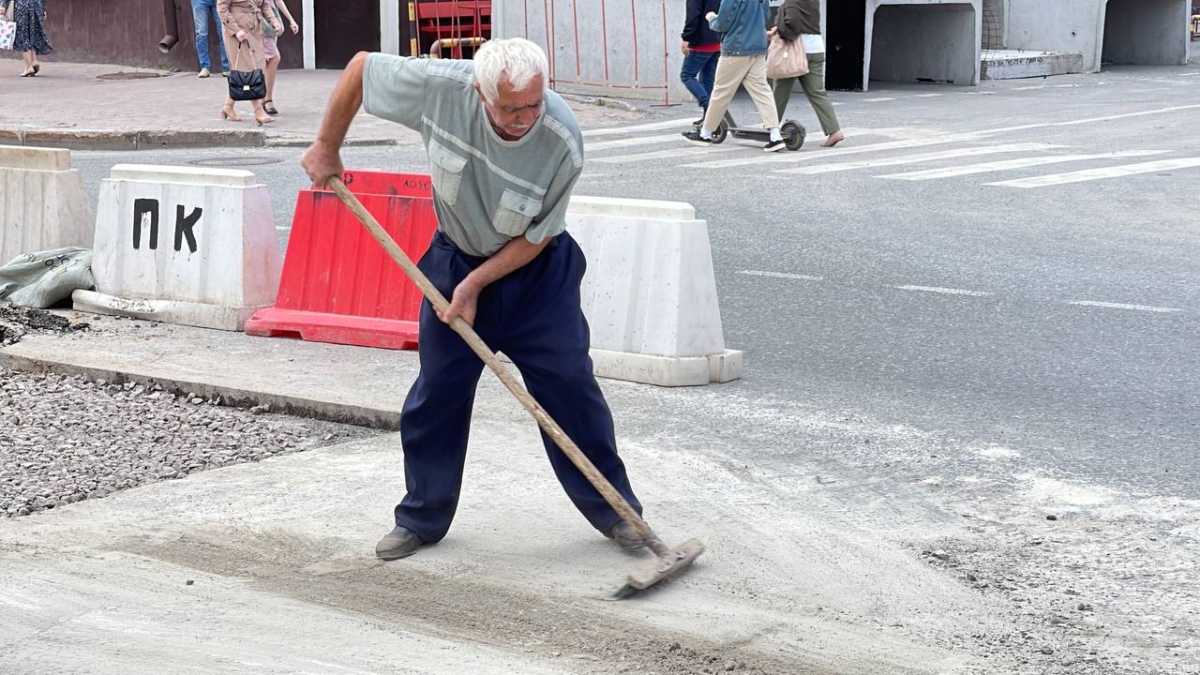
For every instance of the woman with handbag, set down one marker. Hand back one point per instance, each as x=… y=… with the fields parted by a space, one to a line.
x=271 y=48
x=242 y=21
x=801 y=20
x=30 y=38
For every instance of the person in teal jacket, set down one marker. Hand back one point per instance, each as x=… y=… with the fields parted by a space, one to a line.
x=743 y=28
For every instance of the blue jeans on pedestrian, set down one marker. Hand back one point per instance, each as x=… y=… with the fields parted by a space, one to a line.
x=201 y=10
x=698 y=74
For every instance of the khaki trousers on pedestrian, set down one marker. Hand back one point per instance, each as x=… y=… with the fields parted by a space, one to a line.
x=814 y=88
x=751 y=73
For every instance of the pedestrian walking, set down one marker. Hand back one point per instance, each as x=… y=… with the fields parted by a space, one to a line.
x=743 y=28
x=505 y=153
x=242 y=21
x=202 y=11
x=30 y=38
x=801 y=20
x=271 y=47
x=701 y=52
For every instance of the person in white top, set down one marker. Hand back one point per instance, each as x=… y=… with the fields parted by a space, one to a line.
x=801 y=19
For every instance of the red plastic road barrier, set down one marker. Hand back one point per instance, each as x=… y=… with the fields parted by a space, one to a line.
x=338 y=284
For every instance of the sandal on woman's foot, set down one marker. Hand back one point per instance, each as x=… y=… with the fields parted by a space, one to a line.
x=27 y=73
x=269 y=107
x=834 y=138
x=37 y=68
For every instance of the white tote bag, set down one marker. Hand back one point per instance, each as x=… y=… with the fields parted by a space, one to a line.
x=8 y=34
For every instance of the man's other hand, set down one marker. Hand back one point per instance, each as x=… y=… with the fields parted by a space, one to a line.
x=322 y=162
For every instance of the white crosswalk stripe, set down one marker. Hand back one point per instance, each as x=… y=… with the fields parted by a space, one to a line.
x=689 y=150
x=1011 y=164
x=1101 y=174
x=917 y=159
x=637 y=143
x=817 y=155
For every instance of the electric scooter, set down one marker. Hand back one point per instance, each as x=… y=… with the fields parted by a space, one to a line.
x=793 y=132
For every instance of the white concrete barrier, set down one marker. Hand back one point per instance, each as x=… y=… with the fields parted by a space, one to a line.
x=183 y=245
x=43 y=205
x=649 y=294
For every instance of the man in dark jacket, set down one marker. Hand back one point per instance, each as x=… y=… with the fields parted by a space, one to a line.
x=701 y=51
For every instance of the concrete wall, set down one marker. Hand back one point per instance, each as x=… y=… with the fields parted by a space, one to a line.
x=1150 y=32
x=584 y=32
x=923 y=41
x=1062 y=26
x=1146 y=32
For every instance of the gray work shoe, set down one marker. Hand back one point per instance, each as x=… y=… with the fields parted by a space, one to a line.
x=627 y=537
x=399 y=543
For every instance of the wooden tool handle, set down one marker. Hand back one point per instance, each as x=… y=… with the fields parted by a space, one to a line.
x=481 y=349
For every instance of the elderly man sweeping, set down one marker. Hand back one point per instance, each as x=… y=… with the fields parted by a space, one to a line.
x=505 y=153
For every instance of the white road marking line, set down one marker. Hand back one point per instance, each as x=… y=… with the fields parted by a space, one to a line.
x=917 y=159
x=667 y=154
x=781 y=275
x=878 y=100
x=841 y=151
x=1042 y=125
x=1010 y=164
x=944 y=291
x=1119 y=305
x=1040 y=86
x=634 y=142
x=1100 y=174
x=652 y=126
x=927 y=95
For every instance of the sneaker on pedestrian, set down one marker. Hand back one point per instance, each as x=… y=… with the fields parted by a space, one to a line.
x=627 y=537
x=399 y=543
x=774 y=146
x=204 y=72
x=695 y=138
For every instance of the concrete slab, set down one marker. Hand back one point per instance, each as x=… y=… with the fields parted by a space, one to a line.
x=1015 y=64
x=283 y=579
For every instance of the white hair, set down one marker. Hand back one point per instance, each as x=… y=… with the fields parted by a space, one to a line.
x=518 y=58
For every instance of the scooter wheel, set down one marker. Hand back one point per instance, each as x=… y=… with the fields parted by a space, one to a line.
x=793 y=135
x=720 y=134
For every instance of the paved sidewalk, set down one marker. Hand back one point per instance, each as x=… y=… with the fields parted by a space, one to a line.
x=105 y=107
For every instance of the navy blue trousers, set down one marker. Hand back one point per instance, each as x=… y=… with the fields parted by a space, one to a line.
x=533 y=315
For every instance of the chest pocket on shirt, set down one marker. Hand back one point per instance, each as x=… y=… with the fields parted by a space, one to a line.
x=446 y=171
x=515 y=212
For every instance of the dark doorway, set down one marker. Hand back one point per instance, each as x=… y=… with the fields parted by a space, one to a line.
x=845 y=25
x=343 y=29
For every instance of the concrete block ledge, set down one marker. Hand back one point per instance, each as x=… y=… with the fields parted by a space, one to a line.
x=203 y=315
x=668 y=371
x=298 y=406
x=82 y=139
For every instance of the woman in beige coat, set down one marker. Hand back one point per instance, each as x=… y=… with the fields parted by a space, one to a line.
x=242 y=21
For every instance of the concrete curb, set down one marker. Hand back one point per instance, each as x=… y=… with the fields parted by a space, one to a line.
x=374 y=418
x=602 y=102
x=79 y=139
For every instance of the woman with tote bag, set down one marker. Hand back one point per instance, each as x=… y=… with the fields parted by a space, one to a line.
x=800 y=20
x=30 y=37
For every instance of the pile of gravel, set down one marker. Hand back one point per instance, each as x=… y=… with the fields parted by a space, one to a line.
x=65 y=438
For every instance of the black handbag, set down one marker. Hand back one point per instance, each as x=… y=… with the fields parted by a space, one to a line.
x=246 y=85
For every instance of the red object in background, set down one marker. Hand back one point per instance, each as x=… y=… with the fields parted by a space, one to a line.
x=338 y=284
x=454 y=19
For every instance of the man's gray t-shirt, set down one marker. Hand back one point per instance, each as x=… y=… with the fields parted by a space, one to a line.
x=486 y=190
